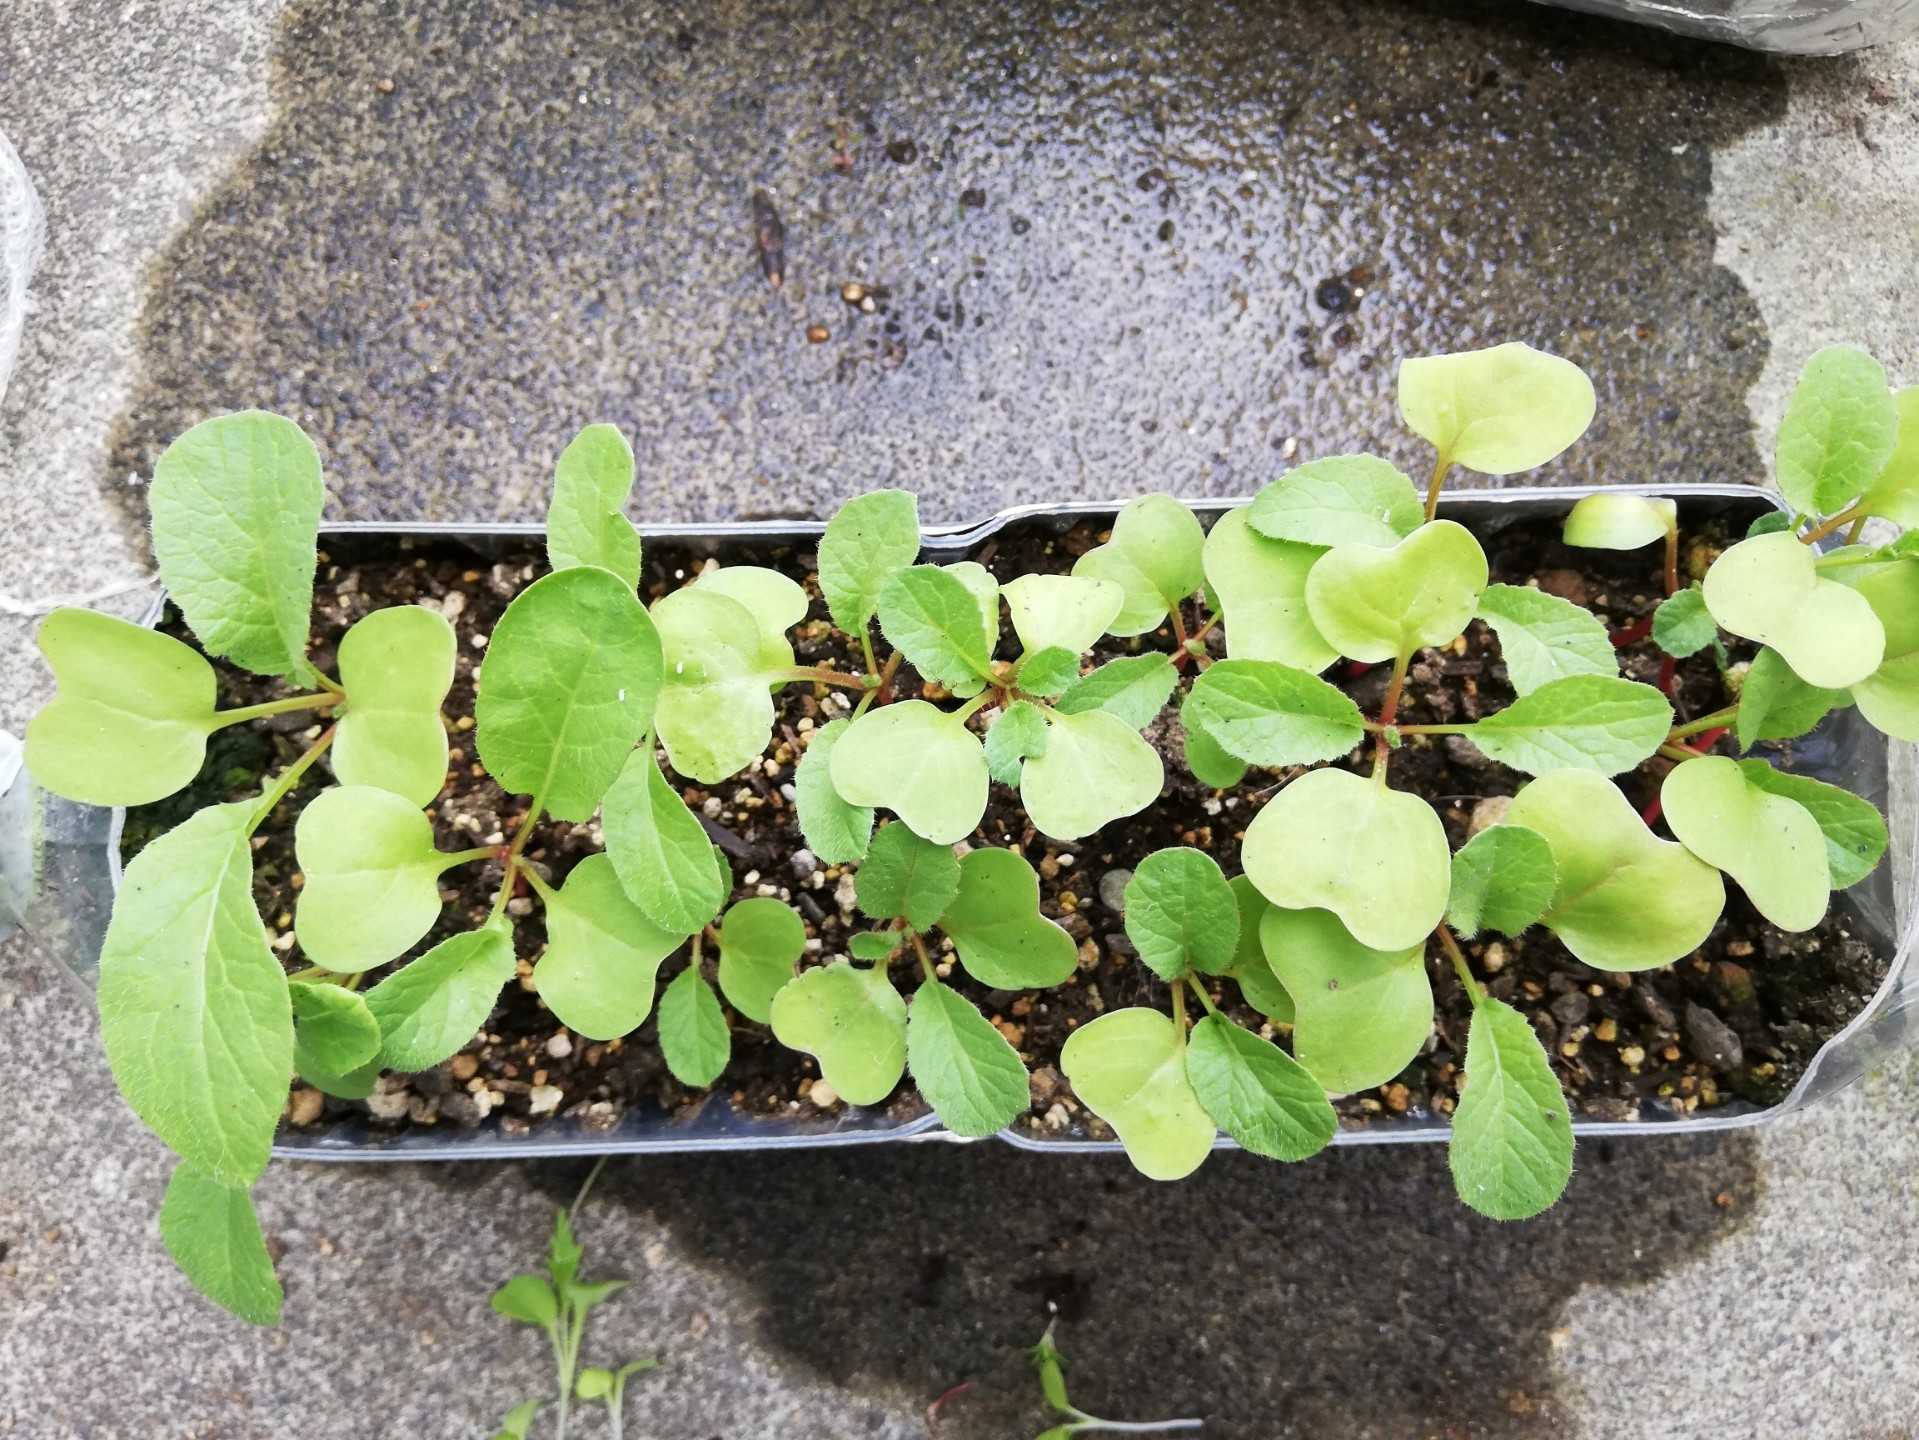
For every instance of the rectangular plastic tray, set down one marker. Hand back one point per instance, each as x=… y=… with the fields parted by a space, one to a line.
x=80 y=870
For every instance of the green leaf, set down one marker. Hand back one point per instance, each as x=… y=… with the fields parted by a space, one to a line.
x=1511 y=1148
x=194 y=1012
x=1682 y=625
x=1769 y=590
x=515 y=1423
x=603 y=952
x=1133 y=687
x=355 y=1084
x=907 y=877
x=868 y=541
x=1838 y=433
x=594 y=1383
x=853 y=1022
x=372 y=887
x=211 y=1232
x=1051 y=671
x=1129 y=1068
x=571 y=677
x=1626 y=900
x=1619 y=522
x=528 y=1299
x=586 y=520
x=660 y=851
x=930 y=616
x=1894 y=494
x=563 y=1252
x=965 y=1069
x=1261 y=587
x=761 y=940
x=1181 y=915
x=236 y=514
x=434 y=1006
x=1339 y=500
x=1376 y=605
x=1259 y=986
x=1854 y=830
x=1544 y=638
x=874 y=945
x=1889 y=696
x=1154 y=557
x=1019 y=733
x=1206 y=757
x=694 y=1037
x=995 y=924
x=333 y=1031
x=775 y=602
x=918 y=762
x=1766 y=841
x=1377 y=858
x=1583 y=722
x=1496 y=411
x=1066 y=612
x=1770 y=523
x=834 y=830
x=1503 y=879
x=715 y=711
x=130 y=723
x=1270 y=714
x=396 y=665
x=1775 y=704
x=984 y=588
x=1095 y=769
x=1258 y=1094
x=1360 y=1014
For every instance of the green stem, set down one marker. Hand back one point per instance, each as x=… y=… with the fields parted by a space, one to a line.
x=290 y=777
x=579 y=1199
x=467 y=857
x=1179 y=1013
x=1852 y=535
x=224 y=718
x=1474 y=990
x=1441 y=464
x=866 y=648
x=1424 y=729
x=521 y=835
x=325 y=682
x=1388 y=708
x=1837 y=522
x=1204 y=999
x=1678 y=752
x=1705 y=723
x=926 y=961
x=974 y=706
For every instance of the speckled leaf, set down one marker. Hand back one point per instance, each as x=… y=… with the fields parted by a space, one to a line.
x=586 y=520
x=570 y=680
x=396 y=665
x=236 y=514
x=1257 y=1093
x=1154 y=557
x=1261 y=588
x=603 y=952
x=853 y=1022
x=694 y=1038
x=965 y=1069
x=1497 y=411
x=1544 y=638
x=1181 y=915
x=1339 y=500
x=130 y=722
x=869 y=540
x=1129 y=1068
x=211 y=1232
x=194 y=1012
x=1838 y=432
x=1511 y=1148
x=835 y=831
x=433 y=1006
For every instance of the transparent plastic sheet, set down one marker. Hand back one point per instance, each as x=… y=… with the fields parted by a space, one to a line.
x=80 y=868
x=1787 y=27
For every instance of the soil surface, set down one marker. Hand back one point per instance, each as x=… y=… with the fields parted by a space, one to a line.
x=1730 y=1027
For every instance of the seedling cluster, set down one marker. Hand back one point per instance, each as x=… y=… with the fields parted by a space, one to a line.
x=1346 y=881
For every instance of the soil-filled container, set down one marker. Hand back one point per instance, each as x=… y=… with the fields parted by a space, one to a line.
x=1835 y=1003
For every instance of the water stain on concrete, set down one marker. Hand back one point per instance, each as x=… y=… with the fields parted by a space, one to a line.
x=1108 y=248
x=1351 y=1298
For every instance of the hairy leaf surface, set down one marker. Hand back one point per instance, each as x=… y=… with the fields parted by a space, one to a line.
x=973 y=1079
x=1181 y=915
x=434 y=1005
x=1511 y=1149
x=1339 y=500
x=1543 y=638
x=1258 y=1094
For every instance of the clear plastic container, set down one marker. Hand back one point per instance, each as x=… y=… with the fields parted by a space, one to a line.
x=79 y=859
x=1788 y=27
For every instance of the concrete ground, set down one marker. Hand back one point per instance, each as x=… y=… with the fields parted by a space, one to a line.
x=1122 y=247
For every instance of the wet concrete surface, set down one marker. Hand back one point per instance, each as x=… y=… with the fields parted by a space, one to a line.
x=1111 y=248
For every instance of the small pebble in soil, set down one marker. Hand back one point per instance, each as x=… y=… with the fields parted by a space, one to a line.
x=1712 y=1039
x=823 y=1095
x=304 y=1106
x=560 y=1046
x=1488 y=813
x=1112 y=889
x=817 y=334
x=543 y=1099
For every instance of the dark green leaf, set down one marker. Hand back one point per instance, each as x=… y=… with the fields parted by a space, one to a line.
x=1775 y=704
x=907 y=877
x=1181 y=915
x=1270 y=714
x=1256 y=1092
x=931 y=618
x=433 y=1005
x=1133 y=687
x=1019 y=734
x=964 y=1067
x=693 y=1034
x=1503 y=879
x=212 y=1234
x=1682 y=625
x=1048 y=671
x=1855 y=831
x=1512 y=1140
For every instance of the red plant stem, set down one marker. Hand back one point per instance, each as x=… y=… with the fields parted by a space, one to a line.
x=1357 y=668
x=1651 y=813
x=1633 y=633
x=1668 y=669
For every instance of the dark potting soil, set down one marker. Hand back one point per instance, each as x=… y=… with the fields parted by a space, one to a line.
x=1732 y=1025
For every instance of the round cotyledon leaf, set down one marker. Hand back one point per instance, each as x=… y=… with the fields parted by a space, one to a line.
x=1067 y=612
x=1769 y=589
x=396 y=665
x=995 y=924
x=1360 y=1015
x=853 y=1022
x=1261 y=585
x=1499 y=410
x=1129 y=1068
x=1768 y=842
x=1377 y=858
x=1095 y=769
x=1625 y=899
x=372 y=887
x=761 y=940
x=603 y=952
x=1154 y=557
x=1374 y=604
x=715 y=711
x=917 y=761
x=1854 y=829
x=130 y=722
x=1619 y=522
x=1889 y=696
x=1260 y=987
